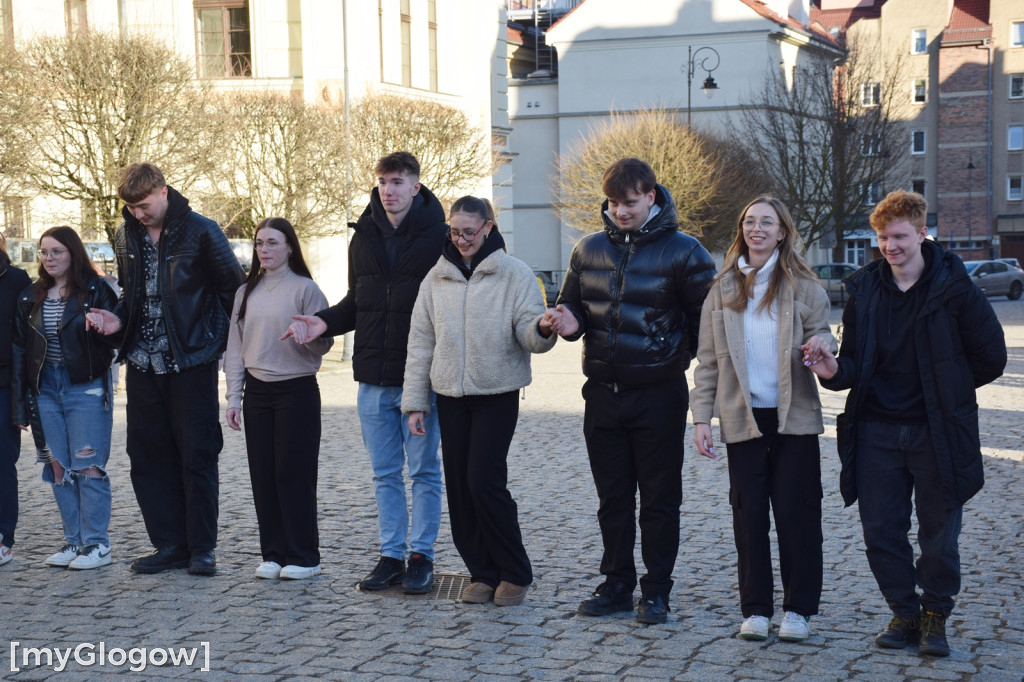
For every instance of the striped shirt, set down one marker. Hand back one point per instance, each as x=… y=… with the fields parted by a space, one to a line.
x=53 y=312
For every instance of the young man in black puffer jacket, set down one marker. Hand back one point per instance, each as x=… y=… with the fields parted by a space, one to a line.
x=634 y=293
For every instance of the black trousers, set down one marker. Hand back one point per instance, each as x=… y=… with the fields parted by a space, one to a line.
x=635 y=442
x=173 y=441
x=895 y=461
x=476 y=432
x=282 y=438
x=782 y=472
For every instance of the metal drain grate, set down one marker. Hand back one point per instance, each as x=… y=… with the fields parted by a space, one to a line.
x=446 y=586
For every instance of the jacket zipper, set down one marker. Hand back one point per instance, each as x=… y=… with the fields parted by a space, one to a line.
x=620 y=272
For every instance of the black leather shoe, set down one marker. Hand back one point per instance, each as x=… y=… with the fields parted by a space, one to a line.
x=163 y=559
x=419 y=579
x=202 y=563
x=933 y=635
x=388 y=571
x=653 y=610
x=901 y=631
x=607 y=599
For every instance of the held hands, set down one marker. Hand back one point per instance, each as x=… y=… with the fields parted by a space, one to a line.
x=702 y=438
x=103 y=321
x=416 y=426
x=234 y=418
x=560 y=321
x=819 y=358
x=306 y=328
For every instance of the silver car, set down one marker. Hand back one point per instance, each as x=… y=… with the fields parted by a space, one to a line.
x=831 y=276
x=996 y=278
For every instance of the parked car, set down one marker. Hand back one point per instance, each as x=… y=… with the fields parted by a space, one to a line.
x=996 y=278
x=243 y=252
x=831 y=276
x=1010 y=261
x=548 y=289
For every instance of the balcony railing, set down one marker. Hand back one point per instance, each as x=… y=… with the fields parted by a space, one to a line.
x=557 y=6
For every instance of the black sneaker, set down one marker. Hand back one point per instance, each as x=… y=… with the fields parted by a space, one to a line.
x=607 y=599
x=388 y=571
x=933 y=635
x=419 y=579
x=652 y=610
x=901 y=631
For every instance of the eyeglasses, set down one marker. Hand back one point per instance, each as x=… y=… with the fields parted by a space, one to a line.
x=750 y=223
x=467 y=235
x=269 y=244
x=56 y=254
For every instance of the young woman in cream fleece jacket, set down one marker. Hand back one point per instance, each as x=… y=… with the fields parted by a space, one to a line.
x=764 y=321
x=477 y=318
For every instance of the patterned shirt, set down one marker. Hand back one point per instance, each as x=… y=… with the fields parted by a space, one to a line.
x=53 y=313
x=152 y=348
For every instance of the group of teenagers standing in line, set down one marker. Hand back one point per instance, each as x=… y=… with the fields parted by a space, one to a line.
x=445 y=322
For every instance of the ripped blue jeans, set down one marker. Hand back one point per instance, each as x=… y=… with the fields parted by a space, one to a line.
x=77 y=420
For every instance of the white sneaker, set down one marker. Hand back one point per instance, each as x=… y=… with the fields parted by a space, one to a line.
x=268 y=570
x=755 y=628
x=64 y=557
x=6 y=554
x=91 y=556
x=794 y=627
x=299 y=572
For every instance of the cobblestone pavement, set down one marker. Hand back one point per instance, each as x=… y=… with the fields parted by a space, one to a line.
x=325 y=628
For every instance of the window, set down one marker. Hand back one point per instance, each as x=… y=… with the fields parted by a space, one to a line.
x=432 y=42
x=1017 y=33
x=75 y=18
x=1014 y=188
x=917 y=141
x=919 y=41
x=1016 y=85
x=1015 y=137
x=870 y=94
x=856 y=252
x=870 y=145
x=872 y=193
x=919 y=92
x=406 y=44
x=15 y=216
x=6 y=24
x=222 y=39
x=918 y=185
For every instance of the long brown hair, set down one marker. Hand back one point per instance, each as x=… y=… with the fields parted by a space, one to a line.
x=296 y=263
x=80 y=271
x=789 y=264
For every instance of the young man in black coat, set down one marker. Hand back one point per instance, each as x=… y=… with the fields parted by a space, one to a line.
x=634 y=292
x=918 y=338
x=396 y=242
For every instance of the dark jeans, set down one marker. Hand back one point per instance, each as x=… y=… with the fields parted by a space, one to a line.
x=782 y=472
x=476 y=432
x=635 y=442
x=282 y=437
x=173 y=441
x=893 y=461
x=10 y=449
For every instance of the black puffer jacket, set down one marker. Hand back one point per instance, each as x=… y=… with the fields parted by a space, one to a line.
x=959 y=346
x=380 y=299
x=87 y=355
x=12 y=282
x=198 y=275
x=637 y=296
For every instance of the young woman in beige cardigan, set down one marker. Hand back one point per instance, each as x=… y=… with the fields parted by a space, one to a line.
x=764 y=322
x=478 y=317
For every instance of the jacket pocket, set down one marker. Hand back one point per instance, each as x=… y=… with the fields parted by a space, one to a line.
x=965 y=452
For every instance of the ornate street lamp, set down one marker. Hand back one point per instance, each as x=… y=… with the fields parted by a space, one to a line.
x=708 y=63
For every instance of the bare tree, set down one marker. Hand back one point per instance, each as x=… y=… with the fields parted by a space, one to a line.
x=828 y=135
x=454 y=154
x=17 y=117
x=740 y=178
x=282 y=157
x=678 y=155
x=105 y=101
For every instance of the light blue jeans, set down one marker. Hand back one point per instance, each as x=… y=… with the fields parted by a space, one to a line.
x=387 y=439
x=77 y=420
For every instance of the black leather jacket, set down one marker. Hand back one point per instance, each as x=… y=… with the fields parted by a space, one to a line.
x=13 y=281
x=198 y=276
x=87 y=355
x=637 y=296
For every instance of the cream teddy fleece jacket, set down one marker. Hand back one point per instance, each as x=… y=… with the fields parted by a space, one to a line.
x=475 y=336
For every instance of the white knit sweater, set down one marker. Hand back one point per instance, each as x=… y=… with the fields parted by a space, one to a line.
x=762 y=332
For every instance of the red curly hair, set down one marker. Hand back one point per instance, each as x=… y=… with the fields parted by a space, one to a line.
x=900 y=205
